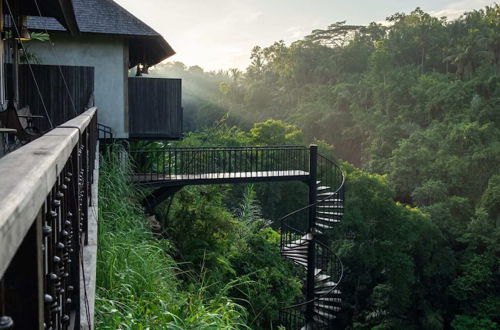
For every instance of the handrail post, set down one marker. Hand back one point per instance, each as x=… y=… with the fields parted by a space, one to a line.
x=313 y=178
x=311 y=259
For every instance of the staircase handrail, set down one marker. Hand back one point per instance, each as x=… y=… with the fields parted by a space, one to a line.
x=332 y=289
x=321 y=200
x=283 y=220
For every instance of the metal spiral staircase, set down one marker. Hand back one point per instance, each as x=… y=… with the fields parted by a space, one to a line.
x=304 y=242
x=303 y=232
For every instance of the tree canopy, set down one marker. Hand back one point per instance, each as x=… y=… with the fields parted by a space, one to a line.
x=414 y=107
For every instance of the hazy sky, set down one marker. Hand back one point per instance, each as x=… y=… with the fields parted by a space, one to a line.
x=219 y=34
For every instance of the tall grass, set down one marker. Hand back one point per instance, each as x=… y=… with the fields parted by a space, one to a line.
x=137 y=286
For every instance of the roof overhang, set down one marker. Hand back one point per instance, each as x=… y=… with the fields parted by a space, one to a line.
x=148 y=50
x=62 y=10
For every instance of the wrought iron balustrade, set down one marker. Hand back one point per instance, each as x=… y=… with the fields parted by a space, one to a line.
x=105 y=135
x=45 y=191
x=303 y=242
x=174 y=164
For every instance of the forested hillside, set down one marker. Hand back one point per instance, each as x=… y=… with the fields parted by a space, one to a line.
x=413 y=108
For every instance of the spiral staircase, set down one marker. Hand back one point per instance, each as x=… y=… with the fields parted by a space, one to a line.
x=304 y=232
x=304 y=241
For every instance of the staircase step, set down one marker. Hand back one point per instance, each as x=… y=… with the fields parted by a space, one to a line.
x=294 y=252
x=302 y=263
x=295 y=255
x=319 y=319
x=323 y=226
x=321 y=278
x=329 y=300
x=326 y=285
x=299 y=248
x=335 y=193
x=330 y=213
x=316 y=230
x=332 y=199
x=325 y=314
x=327 y=308
x=320 y=188
x=328 y=194
x=323 y=291
x=327 y=219
x=330 y=204
x=330 y=207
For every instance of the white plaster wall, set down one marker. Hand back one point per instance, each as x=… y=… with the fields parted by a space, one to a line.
x=109 y=57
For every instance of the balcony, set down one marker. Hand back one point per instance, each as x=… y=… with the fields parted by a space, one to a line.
x=48 y=228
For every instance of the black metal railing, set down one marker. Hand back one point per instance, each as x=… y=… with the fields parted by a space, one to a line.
x=330 y=175
x=105 y=132
x=41 y=251
x=224 y=162
x=293 y=318
x=297 y=228
x=295 y=224
x=294 y=227
x=331 y=265
x=105 y=135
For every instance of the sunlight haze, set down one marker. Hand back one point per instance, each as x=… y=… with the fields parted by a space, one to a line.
x=219 y=34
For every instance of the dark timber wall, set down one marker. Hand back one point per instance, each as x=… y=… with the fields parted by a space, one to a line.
x=155 y=108
x=80 y=82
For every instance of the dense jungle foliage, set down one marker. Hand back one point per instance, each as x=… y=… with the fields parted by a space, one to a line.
x=207 y=265
x=139 y=283
x=412 y=112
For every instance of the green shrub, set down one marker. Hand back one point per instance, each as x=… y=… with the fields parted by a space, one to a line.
x=137 y=286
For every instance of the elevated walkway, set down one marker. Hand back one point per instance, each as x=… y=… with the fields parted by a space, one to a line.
x=303 y=239
x=154 y=180
x=173 y=167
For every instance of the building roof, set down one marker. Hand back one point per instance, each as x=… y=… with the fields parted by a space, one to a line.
x=107 y=17
x=61 y=10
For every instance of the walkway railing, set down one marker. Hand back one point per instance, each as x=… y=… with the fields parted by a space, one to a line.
x=45 y=191
x=224 y=162
x=105 y=136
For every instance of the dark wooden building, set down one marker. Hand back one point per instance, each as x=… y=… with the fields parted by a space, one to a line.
x=155 y=108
